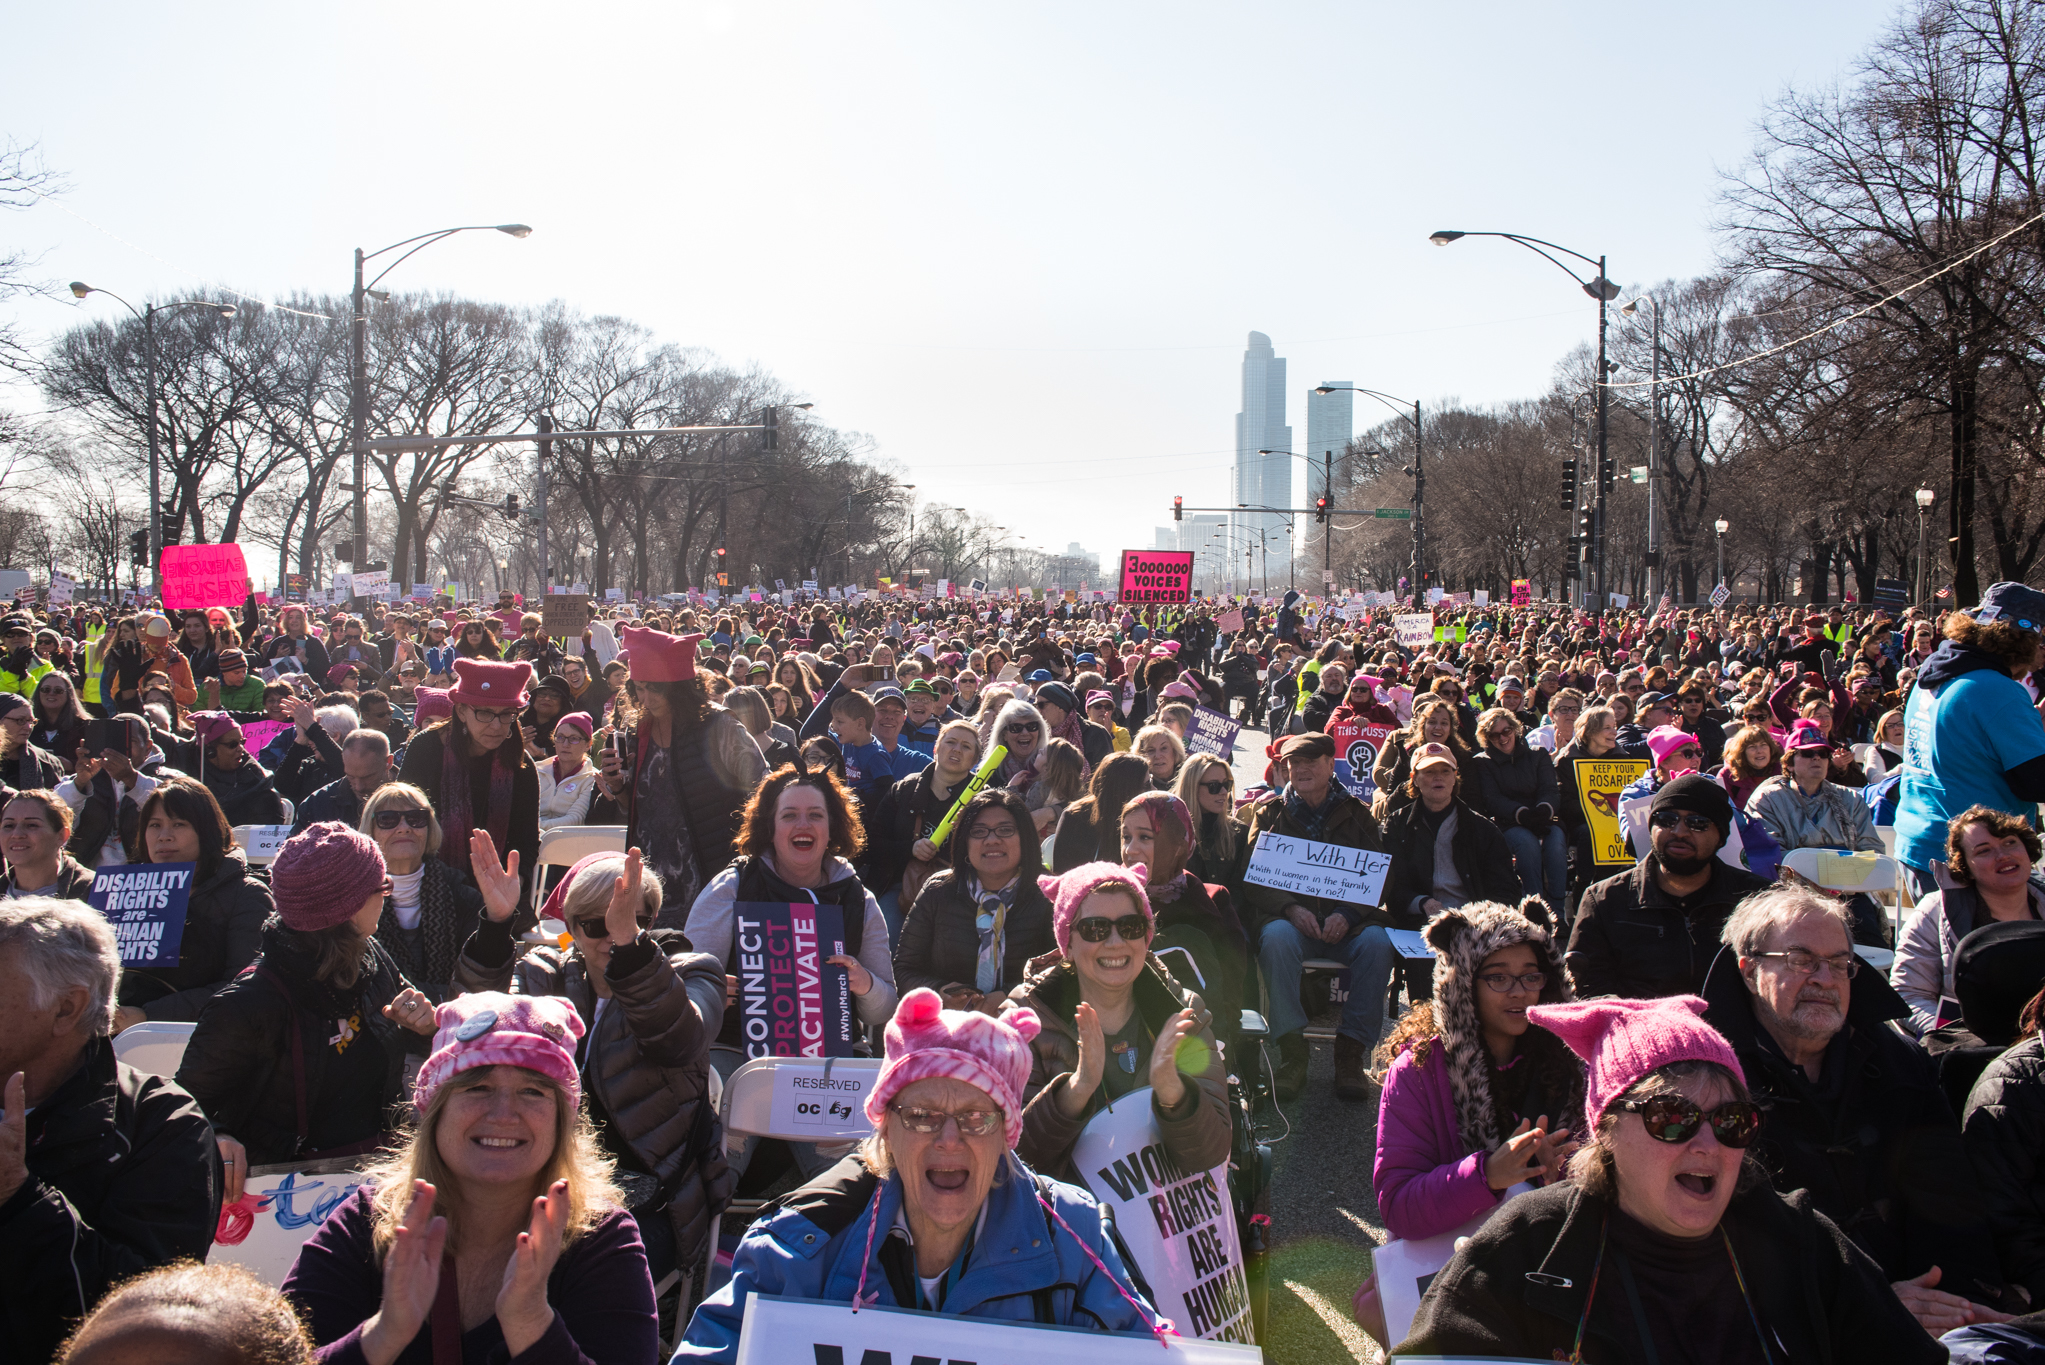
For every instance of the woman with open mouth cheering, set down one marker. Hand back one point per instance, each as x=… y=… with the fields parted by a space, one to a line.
x=1668 y=1242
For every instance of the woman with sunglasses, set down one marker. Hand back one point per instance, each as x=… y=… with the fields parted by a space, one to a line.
x=60 y=718
x=975 y=926
x=651 y=1006
x=477 y=640
x=1114 y=1020
x=23 y=766
x=432 y=909
x=1476 y=1100
x=474 y=768
x=1221 y=846
x=1666 y=1242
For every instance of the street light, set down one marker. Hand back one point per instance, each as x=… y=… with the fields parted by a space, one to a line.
x=1604 y=291
x=79 y=289
x=358 y=388
x=1418 y=471
x=1654 y=447
x=1721 y=526
x=1925 y=498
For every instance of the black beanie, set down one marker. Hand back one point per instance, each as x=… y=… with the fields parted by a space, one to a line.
x=1699 y=795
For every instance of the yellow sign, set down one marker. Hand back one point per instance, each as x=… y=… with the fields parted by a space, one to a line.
x=1598 y=784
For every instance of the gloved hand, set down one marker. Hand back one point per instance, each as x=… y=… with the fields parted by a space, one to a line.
x=1544 y=814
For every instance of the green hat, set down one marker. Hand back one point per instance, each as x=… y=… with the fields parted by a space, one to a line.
x=752 y=640
x=919 y=685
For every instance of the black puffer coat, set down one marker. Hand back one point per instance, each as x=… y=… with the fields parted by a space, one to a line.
x=239 y=1064
x=645 y=1064
x=223 y=933
x=940 y=944
x=247 y=795
x=1483 y=861
x=1511 y=788
x=2004 y=1127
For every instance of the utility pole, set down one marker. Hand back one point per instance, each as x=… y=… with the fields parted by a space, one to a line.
x=1604 y=469
x=546 y=449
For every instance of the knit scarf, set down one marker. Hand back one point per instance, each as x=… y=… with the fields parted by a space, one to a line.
x=437 y=947
x=457 y=820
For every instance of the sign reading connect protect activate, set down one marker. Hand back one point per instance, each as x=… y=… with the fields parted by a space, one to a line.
x=1157 y=576
x=778 y=1331
x=1306 y=868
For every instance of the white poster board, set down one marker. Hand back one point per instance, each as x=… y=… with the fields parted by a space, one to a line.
x=1415 y=628
x=778 y=1331
x=1356 y=875
x=1178 y=1224
x=1405 y=1268
x=282 y=1208
x=823 y=1100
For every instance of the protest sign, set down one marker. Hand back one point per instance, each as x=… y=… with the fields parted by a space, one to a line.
x=825 y=1100
x=283 y=1207
x=1410 y=943
x=1357 y=747
x=1164 y=576
x=257 y=733
x=145 y=903
x=370 y=582
x=1598 y=784
x=204 y=576
x=1229 y=622
x=1522 y=592
x=776 y=1331
x=1405 y=1268
x=791 y=1002
x=1178 y=1225
x=1481 y=598
x=61 y=588
x=564 y=615
x=1307 y=868
x=1415 y=628
x=1212 y=733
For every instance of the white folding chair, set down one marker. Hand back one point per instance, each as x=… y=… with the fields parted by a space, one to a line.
x=258 y=846
x=155 y=1046
x=1876 y=874
x=568 y=845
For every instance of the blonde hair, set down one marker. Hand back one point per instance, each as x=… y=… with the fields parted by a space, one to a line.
x=390 y=794
x=590 y=892
x=1063 y=771
x=1187 y=788
x=1178 y=745
x=578 y=1157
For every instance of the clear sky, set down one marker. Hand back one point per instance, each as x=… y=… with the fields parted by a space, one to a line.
x=1021 y=246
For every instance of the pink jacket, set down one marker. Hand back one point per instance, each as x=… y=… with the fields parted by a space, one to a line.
x=1426 y=1183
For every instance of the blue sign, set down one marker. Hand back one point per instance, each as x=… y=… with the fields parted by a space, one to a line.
x=146 y=904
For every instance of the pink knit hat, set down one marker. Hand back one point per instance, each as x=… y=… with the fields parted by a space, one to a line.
x=1664 y=740
x=1068 y=892
x=1179 y=687
x=490 y=683
x=577 y=720
x=1623 y=1040
x=537 y=1032
x=924 y=1039
x=1805 y=734
x=656 y=656
x=324 y=874
x=431 y=705
x=1162 y=807
x=210 y=727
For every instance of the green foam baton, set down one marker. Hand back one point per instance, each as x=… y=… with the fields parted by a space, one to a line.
x=967 y=793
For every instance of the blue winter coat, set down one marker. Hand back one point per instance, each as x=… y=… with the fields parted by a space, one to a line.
x=809 y=1246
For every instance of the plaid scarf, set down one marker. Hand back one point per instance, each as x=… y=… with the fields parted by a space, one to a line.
x=457 y=819
x=1306 y=817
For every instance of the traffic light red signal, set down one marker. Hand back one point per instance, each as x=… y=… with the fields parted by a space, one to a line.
x=1178 y=509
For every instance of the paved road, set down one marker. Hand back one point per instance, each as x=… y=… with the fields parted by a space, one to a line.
x=1324 y=1216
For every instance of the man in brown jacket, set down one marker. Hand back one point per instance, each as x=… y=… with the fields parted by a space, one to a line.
x=1292 y=927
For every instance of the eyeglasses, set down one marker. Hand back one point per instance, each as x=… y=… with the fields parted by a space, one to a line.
x=1669 y=819
x=53 y=691
x=600 y=928
x=971 y=1122
x=981 y=834
x=411 y=817
x=1215 y=788
x=230 y=743
x=1022 y=727
x=1806 y=963
x=1688 y=751
x=1669 y=1118
x=1132 y=928
x=494 y=719
x=1502 y=982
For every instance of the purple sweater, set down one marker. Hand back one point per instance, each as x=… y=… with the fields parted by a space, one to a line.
x=601 y=1290
x=1427 y=1183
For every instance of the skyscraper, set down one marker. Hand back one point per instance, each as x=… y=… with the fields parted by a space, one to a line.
x=1331 y=421
x=1263 y=480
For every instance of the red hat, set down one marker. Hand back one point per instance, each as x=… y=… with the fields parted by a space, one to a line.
x=656 y=656
x=431 y=704
x=487 y=682
x=323 y=874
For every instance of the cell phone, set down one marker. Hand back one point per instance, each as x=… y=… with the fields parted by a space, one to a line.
x=101 y=735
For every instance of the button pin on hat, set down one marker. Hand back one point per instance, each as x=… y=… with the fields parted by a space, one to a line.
x=476 y=1025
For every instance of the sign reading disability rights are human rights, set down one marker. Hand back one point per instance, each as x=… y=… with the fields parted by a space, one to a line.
x=1162 y=576
x=145 y=903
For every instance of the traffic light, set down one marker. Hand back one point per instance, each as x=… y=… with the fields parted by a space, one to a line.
x=138 y=546
x=511 y=507
x=1569 y=485
x=1585 y=524
x=1606 y=469
x=1321 y=508
x=1178 y=509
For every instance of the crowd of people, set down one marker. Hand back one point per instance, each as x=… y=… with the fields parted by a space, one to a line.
x=1645 y=1039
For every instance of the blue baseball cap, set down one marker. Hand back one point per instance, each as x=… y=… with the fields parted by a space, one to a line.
x=2013 y=602
x=1042 y=675
x=888 y=693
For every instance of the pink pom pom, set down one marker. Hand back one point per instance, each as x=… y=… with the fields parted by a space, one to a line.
x=1024 y=1022
x=920 y=1006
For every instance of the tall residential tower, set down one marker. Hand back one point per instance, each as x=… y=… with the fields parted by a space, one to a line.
x=1263 y=480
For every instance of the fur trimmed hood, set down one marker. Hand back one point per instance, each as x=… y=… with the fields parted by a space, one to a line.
x=1462 y=938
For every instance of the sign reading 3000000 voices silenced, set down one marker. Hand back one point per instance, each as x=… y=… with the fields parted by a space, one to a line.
x=1157 y=576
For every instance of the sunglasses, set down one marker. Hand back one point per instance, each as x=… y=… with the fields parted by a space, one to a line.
x=1215 y=788
x=1669 y=819
x=971 y=1122
x=1669 y=1118
x=411 y=817
x=599 y=928
x=1027 y=727
x=1132 y=928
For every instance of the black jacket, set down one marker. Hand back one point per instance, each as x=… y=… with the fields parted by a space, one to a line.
x=238 y=1064
x=123 y=1176
x=1512 y=788
x=1874 y=1140
x=2004 y=1126
x=940 y=945
x=1314 y=713
x=223 y=931
x=31 y=769
x=335 y=801
x=247 y=795
x=1817 y=1293
x=905 y=813
x=1630 y=939
x=1096 y=742
x=1479 y=849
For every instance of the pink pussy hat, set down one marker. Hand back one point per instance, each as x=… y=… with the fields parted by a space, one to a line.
x=924 y=1039
x=1069 y=892
x=1621 y=1041
x=537 y=1032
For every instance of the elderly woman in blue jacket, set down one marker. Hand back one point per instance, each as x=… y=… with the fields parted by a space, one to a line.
x=901 y=1222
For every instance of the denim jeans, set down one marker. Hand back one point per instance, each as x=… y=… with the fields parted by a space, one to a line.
x=1369 y=955
x=1542 y=861
x=891 y=910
